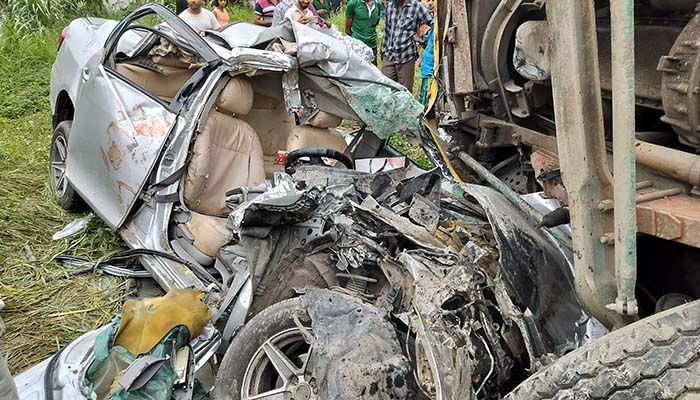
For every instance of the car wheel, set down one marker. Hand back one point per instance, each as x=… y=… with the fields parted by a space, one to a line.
x=268 y=358
x=62 y=189
x=657 y=357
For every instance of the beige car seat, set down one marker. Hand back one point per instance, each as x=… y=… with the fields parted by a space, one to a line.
x=270 y=119
x=163 y=85
x=227 y=153
x=317 y=132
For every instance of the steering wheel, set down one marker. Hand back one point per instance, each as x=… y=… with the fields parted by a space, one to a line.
x=315 y=154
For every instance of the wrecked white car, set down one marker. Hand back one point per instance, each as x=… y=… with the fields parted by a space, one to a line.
x=320 y=281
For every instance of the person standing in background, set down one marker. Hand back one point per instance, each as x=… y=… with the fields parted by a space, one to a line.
x=300 y=13
x=403 y=23
x=264 y=12
x=283 y=6
x=323 y=8
x=198 y=18
x=361 y=20
x=426 y=60
x=220 y=13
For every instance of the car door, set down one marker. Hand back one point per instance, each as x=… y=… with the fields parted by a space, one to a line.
x=119 y=129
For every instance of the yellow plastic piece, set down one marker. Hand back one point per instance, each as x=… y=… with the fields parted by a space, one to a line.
x=115 y=384
x=145 y=322
x=433 y=93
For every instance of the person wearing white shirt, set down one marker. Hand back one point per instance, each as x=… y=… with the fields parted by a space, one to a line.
x=301 y=13
x=198 y=18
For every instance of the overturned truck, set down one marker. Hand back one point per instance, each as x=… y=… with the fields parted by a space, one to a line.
x=593 y=102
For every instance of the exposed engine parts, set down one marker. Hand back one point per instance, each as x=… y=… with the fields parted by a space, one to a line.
x=667 y=65
x=680 y=85
x=398 y=251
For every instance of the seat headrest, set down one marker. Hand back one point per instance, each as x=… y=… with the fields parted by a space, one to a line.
x=323 y=119
x=236 y=97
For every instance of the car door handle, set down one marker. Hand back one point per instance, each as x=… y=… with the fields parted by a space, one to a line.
x=85 y=75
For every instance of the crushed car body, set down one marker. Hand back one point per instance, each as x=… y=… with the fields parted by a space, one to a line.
x=444 y=292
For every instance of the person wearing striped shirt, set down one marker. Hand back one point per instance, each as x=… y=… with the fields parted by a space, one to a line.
x=405 y=21
x=264 y=12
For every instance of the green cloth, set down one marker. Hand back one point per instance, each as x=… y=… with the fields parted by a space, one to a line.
x=328 y=7
x=364 y=24
x=111 y=359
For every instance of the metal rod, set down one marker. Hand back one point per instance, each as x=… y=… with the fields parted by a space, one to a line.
x=624 y=172
x=643 y=185
x=607 y=205
x=658 y=195
x=513 y=197
x=674 y=163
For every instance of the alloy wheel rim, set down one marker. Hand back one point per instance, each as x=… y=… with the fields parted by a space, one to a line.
x=280 y=370
x=58 y=165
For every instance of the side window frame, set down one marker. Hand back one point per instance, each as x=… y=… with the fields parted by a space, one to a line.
x=196 y=45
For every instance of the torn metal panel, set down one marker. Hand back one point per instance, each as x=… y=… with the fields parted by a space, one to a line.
x=417 y=234
x=292 y=92
x=133 y=131
x=384 y=105
x=538 y=272
x=424 y=212
x=337 y=73
x=356 y=353
x=254 y=60
x=327 y=177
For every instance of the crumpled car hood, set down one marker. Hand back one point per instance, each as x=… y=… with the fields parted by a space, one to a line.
x=453 y=289
x=343 y=83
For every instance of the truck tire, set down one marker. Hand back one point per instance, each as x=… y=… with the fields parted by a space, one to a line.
x=66 y=196
x=655 y=358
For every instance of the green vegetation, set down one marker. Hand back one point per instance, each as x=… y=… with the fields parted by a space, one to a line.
x=27 y=16
x=414 y=152
x=240 y=13
x=44 y=309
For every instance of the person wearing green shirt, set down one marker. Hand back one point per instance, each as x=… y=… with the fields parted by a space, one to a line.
x=361 y=20
x=323 y=8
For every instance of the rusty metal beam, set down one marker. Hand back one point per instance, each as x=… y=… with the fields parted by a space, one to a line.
x=674 y=218
x=664 y=213
x=581 y=145
x=674 y=163
x=623 y=98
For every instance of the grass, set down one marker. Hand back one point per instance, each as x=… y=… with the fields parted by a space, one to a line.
x=44 y=310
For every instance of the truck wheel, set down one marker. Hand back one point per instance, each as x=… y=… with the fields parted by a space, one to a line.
x=268 y=358
x=66 y=196
x=655 y=358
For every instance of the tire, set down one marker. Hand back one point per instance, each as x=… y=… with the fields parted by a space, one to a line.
x=655 y=358
x=66 y=196
x=269 y=322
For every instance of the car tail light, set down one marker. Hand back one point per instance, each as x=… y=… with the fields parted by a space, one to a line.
x=61 y=38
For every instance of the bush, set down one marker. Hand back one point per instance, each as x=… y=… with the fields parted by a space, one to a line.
x=24 y=16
